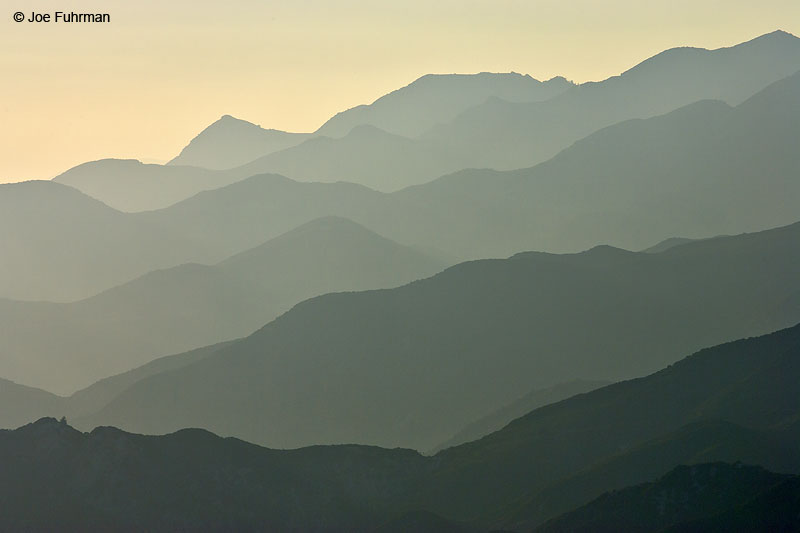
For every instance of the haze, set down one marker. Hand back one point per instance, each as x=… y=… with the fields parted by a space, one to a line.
x=175 y=67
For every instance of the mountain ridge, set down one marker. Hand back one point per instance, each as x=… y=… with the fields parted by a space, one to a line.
x=183 y=307
x=361 y=487
x=367 y=348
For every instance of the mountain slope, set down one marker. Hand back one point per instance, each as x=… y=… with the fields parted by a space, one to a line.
x=192 y=480
x=666 y=244
x=366 y=155
x=20 y=404
x=226 y=148
x=774 y=510
x=367 y=367
x=130 y=185
x=700 y=171
x=686 y=493
x=504 y=135
x=59 y=244
x=438 y=98
x=748 y=384
x=523 y=122
x=629 y=185
x=63 y=347
x=230 y=142
x=533 y=400
x=734 y=402
x=695 y=443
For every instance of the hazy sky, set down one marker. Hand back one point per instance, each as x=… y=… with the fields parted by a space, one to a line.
x=145 y=84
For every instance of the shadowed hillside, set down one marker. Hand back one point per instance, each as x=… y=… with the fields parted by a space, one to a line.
x=685 y=494
x=368 y=367
x=62 y=347
x=675 y=416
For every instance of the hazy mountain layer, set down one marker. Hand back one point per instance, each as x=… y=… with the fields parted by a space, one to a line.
x=666 y=244
x=699 y=171
x=733 y=402
x=22 y=404
x=59 y=244
x=533 y=400
x=63 y=347
x=438 y=98
x=504 y=135
x=130 y=185
x=412 y=366
x=231 y=142
x=366 y=155
x=513 y=129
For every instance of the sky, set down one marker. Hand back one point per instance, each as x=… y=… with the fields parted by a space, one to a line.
x=143 y=85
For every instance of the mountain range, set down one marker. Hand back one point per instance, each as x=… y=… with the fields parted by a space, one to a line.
x=529 y=402
x=439 y=98
x=427 y=315
x=507 y=135
x=689 y=173
x=728 y=403
x=129 y=185
x=367 y=367
x=22 y=403
x=63 y=347
x=497 y=121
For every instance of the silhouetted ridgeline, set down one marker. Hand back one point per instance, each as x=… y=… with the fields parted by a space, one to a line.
x=688 y=173
x=230 y=142
x=441 y=124
x=506 y=135
x=367 y=367
x=63 y=347
x=323 y=256
x=730 y=403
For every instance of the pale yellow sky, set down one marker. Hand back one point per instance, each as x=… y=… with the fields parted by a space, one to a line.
x=145 y=84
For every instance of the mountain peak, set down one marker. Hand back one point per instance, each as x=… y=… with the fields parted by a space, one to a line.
x=49 y=428
x=777 y=34
x=230 y=142
x=229 y=121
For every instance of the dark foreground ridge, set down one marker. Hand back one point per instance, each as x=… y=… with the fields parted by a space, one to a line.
x=734 y=402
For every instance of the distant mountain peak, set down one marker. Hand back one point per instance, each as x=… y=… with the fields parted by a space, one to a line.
x=230 y=121
x=438 y=98
x=229 y=142
x=777 y=34
x=49 y=427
